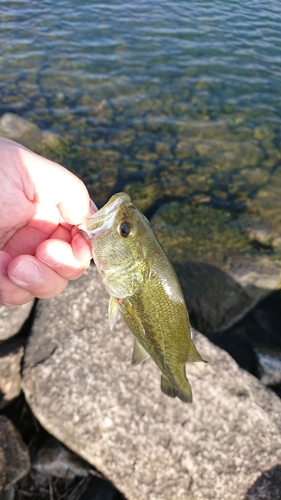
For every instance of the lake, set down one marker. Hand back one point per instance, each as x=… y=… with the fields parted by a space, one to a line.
x=179 y=98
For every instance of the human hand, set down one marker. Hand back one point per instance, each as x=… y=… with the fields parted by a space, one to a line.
x=40 y=245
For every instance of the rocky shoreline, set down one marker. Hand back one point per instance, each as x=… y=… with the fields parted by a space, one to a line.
x=80 y=388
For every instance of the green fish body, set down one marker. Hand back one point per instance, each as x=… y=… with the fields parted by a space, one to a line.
x=144 y=288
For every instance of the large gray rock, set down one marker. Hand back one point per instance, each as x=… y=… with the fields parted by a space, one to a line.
x=226 y=264
x=13 y=318
x=79 y=384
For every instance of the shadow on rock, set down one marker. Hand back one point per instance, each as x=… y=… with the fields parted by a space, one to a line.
x=214 y=299
x=267 y=486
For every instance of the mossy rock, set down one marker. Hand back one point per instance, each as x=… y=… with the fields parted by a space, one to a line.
x=143 y=194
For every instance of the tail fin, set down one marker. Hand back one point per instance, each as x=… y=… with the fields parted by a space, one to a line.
x=183 y=393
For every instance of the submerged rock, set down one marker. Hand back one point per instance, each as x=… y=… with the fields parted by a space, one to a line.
x=79 y=384
x=223 y=263
x=17 y=128
x=144 y=194
x=268 y=201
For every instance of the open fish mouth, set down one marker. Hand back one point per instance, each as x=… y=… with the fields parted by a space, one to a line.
x=102 y=220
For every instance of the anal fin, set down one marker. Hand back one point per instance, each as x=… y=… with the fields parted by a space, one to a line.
x=139 y=354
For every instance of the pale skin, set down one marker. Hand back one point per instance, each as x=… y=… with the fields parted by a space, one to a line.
x=41 y=248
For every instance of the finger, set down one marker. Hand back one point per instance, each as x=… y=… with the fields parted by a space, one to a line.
x=58 y=255
x=62 y=233
x=32 y=275
x=54 y=185
x=39 y=228
x=10 y=294
x=82 y=249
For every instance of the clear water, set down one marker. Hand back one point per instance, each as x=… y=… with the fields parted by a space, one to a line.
x=184 y=95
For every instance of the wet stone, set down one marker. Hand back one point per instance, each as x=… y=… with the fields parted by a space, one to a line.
x=268 y=201
x=183 y=149
x=198 y=182
x=263 y=132
x=146 y=155
x=254 y=176
x=163 y=149
x=144 y=194
x=19 y=129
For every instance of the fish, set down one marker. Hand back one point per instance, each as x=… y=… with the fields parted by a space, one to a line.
x=143 y=288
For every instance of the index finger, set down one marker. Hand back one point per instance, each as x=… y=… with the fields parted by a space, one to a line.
x=50 y=184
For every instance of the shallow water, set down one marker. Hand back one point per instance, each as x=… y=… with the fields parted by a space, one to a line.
x=185 y=96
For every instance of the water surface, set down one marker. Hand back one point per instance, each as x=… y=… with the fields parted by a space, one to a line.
x=181 y=96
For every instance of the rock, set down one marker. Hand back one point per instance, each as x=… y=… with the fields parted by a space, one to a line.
x=79 y=384
x=163 y=149
x=13 y=318
x=223 y=263
x=19 y=129
x=258 y=332
x=145 y=155
x=11 y=354
x=267 y=486
x=270 y=366
x=54 y=459
x=50 y=139
x=268 y=201
x=14 y=456
x=144 y=194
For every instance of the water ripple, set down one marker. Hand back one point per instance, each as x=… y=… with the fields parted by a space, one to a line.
x=201 y=77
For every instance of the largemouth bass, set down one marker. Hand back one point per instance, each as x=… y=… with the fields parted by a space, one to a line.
x=144 y=288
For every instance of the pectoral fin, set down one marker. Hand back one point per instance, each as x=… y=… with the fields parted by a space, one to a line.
x=113 y=312
x=139 y=354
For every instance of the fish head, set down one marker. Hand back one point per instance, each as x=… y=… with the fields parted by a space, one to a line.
x=117 y=233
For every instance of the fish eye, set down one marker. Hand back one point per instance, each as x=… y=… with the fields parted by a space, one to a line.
x=124 y=229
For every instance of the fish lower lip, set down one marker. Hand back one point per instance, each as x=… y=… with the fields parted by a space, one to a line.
x=97 y=224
